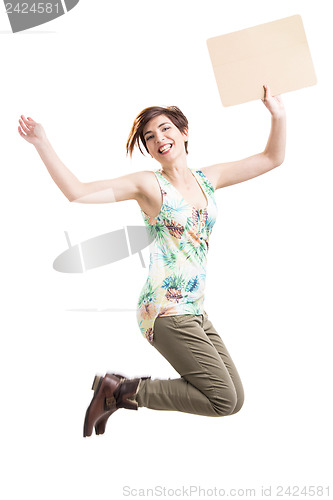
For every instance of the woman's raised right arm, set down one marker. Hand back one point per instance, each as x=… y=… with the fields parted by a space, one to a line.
x=122 y=188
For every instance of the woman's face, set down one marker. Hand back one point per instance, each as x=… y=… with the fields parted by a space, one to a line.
x=165 y=142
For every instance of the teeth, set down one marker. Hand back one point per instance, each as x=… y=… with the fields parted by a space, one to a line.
x=165 y=148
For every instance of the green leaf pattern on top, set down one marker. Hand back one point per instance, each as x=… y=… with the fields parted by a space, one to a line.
x=178 y=256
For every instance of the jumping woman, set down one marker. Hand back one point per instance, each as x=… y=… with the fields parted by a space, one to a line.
x=179 y=210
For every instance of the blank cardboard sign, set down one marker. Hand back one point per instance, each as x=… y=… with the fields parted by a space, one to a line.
x=274 y=53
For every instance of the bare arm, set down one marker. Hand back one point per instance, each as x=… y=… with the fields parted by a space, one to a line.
x=226 y=174
x=122 y=188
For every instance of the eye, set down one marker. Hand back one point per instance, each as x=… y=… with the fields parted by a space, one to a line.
x=149 y=137
x=165 y=128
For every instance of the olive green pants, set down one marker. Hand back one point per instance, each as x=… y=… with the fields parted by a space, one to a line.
x=209 y=383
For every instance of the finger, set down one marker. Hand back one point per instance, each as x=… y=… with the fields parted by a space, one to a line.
x=24 y=128
x=264 y=99
x=28 y=122
x=22 y=134
x=267 y=92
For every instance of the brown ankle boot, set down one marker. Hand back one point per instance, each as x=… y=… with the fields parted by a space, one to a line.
x=101 y=423
x=110 y=393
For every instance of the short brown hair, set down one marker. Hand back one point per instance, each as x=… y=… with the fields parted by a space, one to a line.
x=136 y=135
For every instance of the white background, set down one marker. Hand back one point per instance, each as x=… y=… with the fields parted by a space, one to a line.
x=85 y=76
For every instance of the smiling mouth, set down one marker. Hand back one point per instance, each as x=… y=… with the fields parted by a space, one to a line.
x=164 y=149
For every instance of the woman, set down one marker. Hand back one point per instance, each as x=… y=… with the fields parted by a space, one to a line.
x=179 y=210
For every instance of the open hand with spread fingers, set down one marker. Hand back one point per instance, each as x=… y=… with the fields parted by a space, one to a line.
x=31 y=131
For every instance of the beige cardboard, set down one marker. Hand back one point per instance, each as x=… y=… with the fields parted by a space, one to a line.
x=274 y=53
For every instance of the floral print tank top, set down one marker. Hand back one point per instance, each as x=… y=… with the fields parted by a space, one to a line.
x=178 y=255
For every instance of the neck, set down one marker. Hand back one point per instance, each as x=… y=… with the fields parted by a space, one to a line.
x=178 y=168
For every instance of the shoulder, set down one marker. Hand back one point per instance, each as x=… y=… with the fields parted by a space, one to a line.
x=147 y=184
x=208 y=175
x=146 y=179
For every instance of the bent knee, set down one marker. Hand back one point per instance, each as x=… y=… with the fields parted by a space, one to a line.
x=228 y=402
x=225 y=403
x=239 y=404
x=240 y=398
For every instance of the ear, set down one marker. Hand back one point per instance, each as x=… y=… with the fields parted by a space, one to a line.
x=185 y=134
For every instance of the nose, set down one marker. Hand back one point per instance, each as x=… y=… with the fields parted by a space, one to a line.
x=159 y=136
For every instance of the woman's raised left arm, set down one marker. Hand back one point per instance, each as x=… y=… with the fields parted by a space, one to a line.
x=226 y=174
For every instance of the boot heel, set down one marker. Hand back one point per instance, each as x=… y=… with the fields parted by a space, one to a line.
x=96 y=383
